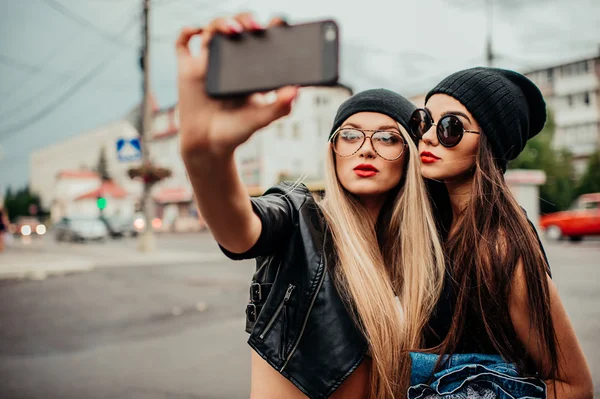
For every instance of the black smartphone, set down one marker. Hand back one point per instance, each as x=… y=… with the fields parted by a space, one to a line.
x=304 y=55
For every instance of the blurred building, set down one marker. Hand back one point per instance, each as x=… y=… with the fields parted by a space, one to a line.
x=572 y=91
x=525 y=186
x=174 y=197
x=295 y=146
x=287 y=149
x=82 y=153
x=76 y=192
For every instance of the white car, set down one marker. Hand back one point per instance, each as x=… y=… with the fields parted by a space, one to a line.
x=80 y=229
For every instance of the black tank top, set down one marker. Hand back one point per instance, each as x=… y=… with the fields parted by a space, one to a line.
x=474 y=338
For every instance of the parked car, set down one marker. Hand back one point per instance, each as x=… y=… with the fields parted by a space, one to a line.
x=28 y=226
x=120 y=226
x=582 y=219
x=80 y=229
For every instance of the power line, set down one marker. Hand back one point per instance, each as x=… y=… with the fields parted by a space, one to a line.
x=85 y=23
x=6 y=133
x=190 y=9
x=10 y=61
x=60 y=48
x=51 y=87
x=53 y=54
x=10 y=130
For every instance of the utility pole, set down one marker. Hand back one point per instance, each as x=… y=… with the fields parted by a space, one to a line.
x=146 y=241
x=489 y=52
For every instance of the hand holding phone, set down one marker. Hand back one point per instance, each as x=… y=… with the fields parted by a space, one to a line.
x=209 y=125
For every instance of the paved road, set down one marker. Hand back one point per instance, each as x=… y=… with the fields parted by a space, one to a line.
x=176 y=331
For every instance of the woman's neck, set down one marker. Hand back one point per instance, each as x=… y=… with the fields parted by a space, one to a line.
x=373 y=205
x=459 y=191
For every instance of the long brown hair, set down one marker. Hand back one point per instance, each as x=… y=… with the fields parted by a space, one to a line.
x=492 y=236
x=401 y=255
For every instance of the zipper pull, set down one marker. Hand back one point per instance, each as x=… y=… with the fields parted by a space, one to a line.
x=284 y=322
x=288 y=293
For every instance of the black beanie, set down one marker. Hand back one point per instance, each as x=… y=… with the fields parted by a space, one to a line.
x=508 y=106
x=375 y=100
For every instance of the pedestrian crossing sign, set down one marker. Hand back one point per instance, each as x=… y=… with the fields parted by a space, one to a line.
x=129 y=149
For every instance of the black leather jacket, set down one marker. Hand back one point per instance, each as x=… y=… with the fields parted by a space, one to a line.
x=296 y=319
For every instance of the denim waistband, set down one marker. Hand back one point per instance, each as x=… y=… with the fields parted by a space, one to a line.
x=470 y=375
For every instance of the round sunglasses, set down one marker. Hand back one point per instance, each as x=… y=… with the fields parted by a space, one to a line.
x=449 y=129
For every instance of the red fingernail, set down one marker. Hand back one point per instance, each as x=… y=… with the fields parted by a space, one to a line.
x=234 y=27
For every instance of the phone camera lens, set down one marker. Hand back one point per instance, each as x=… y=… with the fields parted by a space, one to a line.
x=330 y=33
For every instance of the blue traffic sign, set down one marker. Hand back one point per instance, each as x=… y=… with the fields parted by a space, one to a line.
x=129 y=149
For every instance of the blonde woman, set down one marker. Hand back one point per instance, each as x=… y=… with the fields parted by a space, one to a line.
x=342 y=288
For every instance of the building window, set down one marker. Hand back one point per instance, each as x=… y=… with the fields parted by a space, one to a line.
x=586 y=98
x=321 y=100
x=549 y=75
x=570 y=100
x=296 y=130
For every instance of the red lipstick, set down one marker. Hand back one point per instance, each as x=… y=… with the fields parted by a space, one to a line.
x=366 y=170
x=428 y=157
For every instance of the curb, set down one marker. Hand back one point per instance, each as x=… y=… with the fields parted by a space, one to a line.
x=154 y=260
x=41 y=269
x=35 y=271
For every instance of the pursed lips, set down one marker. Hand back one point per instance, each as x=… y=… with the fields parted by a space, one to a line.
x=365 y=170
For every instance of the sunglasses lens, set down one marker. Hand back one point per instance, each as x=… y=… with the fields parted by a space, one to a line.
x=450 y=130
x=419 y=123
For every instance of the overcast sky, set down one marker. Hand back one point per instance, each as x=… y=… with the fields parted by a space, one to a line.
x=61 y=75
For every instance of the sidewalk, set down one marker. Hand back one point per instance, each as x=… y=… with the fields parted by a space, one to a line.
x=38 y=261
x=158 y=258
x=38 y=266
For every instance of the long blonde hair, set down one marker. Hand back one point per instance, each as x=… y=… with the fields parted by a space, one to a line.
x=408 y=262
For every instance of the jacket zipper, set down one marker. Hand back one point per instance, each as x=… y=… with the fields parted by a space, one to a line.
x=286 y=298
x=309 y=309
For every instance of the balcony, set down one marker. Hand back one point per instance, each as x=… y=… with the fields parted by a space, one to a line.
x=572 y=84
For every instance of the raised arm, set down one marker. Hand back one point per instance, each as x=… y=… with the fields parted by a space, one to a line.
x=212 y=129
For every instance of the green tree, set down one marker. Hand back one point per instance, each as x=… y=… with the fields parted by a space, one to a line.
x=17 y=204
x=8 y=195
x=559 y=190
x=102 y=168
x=590 y=181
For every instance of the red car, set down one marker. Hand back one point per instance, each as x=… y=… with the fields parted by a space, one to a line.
x=583 y=219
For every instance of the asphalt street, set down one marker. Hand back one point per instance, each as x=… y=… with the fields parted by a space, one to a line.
x=177 y=330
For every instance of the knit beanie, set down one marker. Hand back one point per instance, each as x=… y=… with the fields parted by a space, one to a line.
x=508 y=106
x=375 y=100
